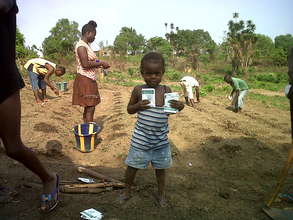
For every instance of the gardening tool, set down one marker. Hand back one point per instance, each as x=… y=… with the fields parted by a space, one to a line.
x=274 y=213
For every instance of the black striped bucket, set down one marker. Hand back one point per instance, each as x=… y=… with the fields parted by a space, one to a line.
x=86 y=136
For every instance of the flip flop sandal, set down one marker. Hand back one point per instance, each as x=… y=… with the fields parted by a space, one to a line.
x=288 y=197
x=50 y=201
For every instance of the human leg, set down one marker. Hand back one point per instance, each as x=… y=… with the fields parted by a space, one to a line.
x=34 y=80
x=241 y=97
x=190 y=95
x=197 y=93
x=129 y=178
x=187 y=100
x=88 y=114
x=10 y=113
x=161 y=160
x=161 y=180
x=43 y=87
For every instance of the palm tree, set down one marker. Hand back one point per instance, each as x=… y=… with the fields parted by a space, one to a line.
x=172 y=27
x=166 y=26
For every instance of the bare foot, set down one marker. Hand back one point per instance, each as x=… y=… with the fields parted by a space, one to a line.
x=123 y=197
x=162 y=201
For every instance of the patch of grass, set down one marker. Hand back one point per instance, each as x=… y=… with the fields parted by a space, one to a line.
x=280 y=102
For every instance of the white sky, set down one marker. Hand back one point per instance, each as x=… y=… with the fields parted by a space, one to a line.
x=37 y=17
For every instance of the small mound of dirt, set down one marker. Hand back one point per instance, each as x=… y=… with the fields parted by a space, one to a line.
x=117 y=126
x=230 y=125
x=215 y=139
x=46 y=128
x=230 y=149
x=54 y=148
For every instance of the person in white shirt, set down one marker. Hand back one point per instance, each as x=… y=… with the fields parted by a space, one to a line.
x=187 y=84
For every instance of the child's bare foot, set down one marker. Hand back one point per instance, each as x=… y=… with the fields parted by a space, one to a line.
x=46 y=100
x=162 y=201
x=123 y=197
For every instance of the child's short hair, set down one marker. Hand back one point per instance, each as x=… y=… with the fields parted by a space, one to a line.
x=152 y=57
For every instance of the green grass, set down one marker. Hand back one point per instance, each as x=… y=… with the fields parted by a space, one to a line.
x=280 y=102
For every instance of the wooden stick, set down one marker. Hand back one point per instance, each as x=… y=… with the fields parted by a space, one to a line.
x=64 y=189
x=96 y=185
x=289 y=161
x=97 y=175
x=282 y=177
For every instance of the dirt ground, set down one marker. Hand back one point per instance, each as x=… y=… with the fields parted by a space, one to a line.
x=225 y=165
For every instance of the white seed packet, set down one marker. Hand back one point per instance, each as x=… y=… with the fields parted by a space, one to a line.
x=150 y=95
x=91 y=214
x=86 y=180
x=167 y=105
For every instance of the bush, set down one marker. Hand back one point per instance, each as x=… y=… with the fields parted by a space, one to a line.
x=174 y=75
x=271 y=77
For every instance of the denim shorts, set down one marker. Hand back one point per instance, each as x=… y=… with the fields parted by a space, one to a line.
x=37 y=82
x=140 y=159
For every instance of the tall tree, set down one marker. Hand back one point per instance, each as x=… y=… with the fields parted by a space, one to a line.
x=264 y=47
x=21 y=50
x=241 y=39
x=193 y=43
x=166 y=27
x=129 y=42
x=159 y=44
x=284 y=42
x=61 y=39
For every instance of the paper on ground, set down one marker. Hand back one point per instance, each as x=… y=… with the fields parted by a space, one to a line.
x=86 y=180
x=91 y=214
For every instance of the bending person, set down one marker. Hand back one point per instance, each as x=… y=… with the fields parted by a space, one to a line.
x=187 y=84
x=240 y=90
x=40 y=71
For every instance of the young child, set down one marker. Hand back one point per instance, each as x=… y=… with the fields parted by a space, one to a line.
x=149 y=142
x=240 y=89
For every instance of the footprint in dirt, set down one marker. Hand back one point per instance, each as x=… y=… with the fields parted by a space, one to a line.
x=46 y=128
x=230 y=150
x=117 y=126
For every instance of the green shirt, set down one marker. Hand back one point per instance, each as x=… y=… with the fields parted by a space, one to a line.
x=239 y=84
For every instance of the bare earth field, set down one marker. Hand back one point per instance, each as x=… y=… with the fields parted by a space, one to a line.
x=225 y=165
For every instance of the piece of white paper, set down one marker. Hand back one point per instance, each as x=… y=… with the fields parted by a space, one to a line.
x=91 y=214
x=150 y=95
x=85 y=180
x=167 y=105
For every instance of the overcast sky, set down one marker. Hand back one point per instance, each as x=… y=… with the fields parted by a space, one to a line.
x=37 y=17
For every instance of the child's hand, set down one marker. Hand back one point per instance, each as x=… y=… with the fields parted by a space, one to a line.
x=177 y=104
x=143 y=105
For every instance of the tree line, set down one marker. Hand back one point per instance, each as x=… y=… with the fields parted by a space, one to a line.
x=242 y=46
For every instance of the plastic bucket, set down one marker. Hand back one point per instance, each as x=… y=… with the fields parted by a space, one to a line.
x=62 y=86
x=86 y=136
